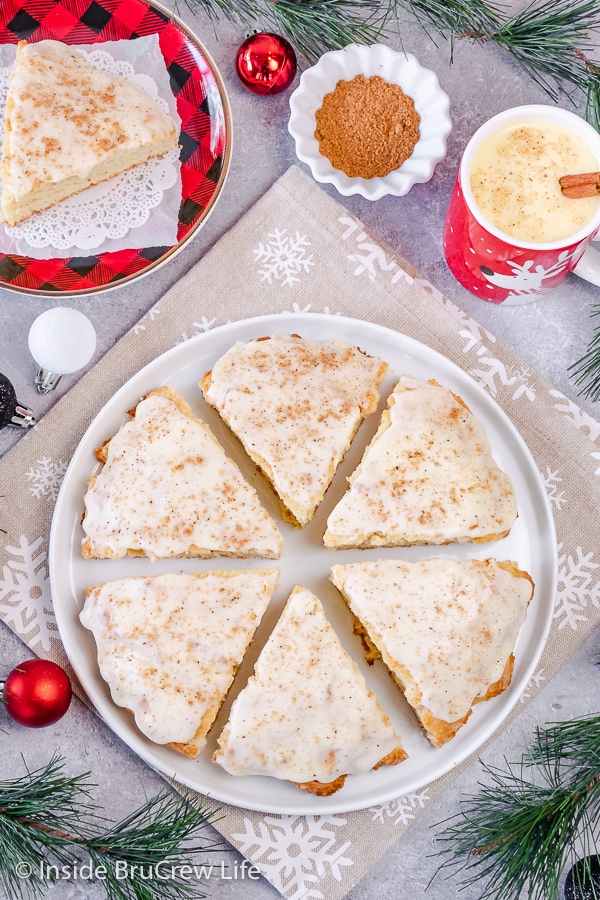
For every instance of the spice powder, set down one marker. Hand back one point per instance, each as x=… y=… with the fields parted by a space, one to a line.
x=367 y=127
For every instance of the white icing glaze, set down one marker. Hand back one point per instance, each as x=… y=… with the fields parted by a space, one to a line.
x=169 y=645
x=306 y=713
x=65 y=116
x=167 y=486
x=295 y=405
x=428 y=476
x=452 y=625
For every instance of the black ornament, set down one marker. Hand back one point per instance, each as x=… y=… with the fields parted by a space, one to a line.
x=11 y=411
x=583 y=881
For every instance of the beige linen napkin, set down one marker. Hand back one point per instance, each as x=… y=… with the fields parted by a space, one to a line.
x=298 y=250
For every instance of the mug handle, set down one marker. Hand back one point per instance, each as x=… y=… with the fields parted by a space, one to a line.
x=588 y=266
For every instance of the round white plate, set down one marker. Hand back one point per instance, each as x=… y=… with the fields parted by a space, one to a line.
x=532 y=544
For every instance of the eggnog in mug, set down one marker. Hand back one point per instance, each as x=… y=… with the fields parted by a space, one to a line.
x=514 y=179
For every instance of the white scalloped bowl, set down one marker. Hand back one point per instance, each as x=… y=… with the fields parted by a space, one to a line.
x=395 y=67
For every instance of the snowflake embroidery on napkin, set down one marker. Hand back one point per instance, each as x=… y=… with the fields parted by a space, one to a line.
x=492 y=374
x=401 y=810
x=371 y=258
x=576 y=416
x=471 y=330
x=26 y=605
x=201 y=327
x=283 y=258
x=534 y=683
x=551 y=480
x=576 y=587
x=47 y=478
x=150 y=316
x=296 y=852
x=300 y=310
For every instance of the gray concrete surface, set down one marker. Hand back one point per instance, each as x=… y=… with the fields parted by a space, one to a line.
x=549 y=335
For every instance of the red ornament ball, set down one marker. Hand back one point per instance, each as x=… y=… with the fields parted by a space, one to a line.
x=37 y=693
x=266 y=63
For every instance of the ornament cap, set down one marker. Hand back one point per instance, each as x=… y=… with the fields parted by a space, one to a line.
x=22 y=417
x=45 y=380
x=11 y=411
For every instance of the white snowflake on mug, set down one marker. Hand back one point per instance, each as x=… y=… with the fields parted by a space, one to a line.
x=525 y=278
x=283 y=258
x=296 y=852
x=47 y=478
x=25 y=602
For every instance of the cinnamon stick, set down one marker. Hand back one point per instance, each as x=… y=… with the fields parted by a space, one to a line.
x=578 y=186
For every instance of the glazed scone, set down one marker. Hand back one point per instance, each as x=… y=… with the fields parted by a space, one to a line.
x=170 y=645
x=69 y=125
x=306 y=715
x=295 y=405
x=427 y=477
x=446 y=630
x=168 y=489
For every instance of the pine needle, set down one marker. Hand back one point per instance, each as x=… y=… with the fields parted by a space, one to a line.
x=454 y=19
x=520 y=833
x=587 y=369
x=339 y=22
x=314 y=26
x=154 y=834
x=49 y=820
x=551 y=39
x=34 y=811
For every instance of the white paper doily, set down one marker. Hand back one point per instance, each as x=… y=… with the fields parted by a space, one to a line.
x=127 y=211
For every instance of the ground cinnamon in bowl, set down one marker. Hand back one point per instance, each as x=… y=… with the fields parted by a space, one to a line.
x=367 y=127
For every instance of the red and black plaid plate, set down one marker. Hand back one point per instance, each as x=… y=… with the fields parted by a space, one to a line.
x=205 y=131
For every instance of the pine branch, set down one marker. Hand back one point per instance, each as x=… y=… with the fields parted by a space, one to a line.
x=154 y=834
x=339 y=23
x=48 y=820
x=314 y=26
x=34 y=811
x=455 y=19
x=518 y=834
x=550 y=39
x=587 y=369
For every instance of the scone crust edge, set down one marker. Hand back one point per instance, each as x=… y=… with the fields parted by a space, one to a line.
x=193 y=552
x=438 y=731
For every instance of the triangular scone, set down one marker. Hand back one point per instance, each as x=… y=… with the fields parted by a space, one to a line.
x=69 y=125
x=168 y=489
x=295 y=405
x=306 y=715
x=170 y=645
x=427 y=477
x=445 y=629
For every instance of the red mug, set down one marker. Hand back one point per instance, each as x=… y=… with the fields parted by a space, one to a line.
x=504 y=269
